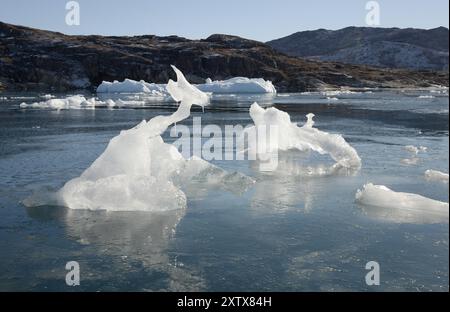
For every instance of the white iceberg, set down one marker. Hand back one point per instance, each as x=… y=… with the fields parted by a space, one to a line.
x=233 y=85
x=138 y=171
x=434 y=175
x=238 y=85
x=132 y=86
x=290 y=136
x=382 y=202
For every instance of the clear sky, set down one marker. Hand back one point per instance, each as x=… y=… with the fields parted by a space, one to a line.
x=255 y=19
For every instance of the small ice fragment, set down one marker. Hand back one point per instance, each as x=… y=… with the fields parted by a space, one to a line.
x=412 y=149
x=401 y=207
x=410 y=161
x=434 y=175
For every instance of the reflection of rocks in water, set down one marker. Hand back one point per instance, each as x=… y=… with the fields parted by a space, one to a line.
x=126 y=242
x=404 y=215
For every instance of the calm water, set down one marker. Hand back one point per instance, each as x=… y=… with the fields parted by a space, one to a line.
x=289 y=232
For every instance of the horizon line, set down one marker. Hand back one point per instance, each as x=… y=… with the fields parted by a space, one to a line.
x=175 y=35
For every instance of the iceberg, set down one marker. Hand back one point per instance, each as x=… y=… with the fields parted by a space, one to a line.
x=233 y=85
x=402 y=206
x=238 y=85
x=305 y=138
x=138 y=171
x=132 y=86
x=434 y=175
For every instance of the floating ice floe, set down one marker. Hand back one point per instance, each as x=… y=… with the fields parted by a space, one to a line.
x=138 y=171
x=434 y=175
x=290 y=136
x=233 y=85
x=414 y=150
x=71 y=102
x=333 y=93
x=382 y=202
x=80 y=102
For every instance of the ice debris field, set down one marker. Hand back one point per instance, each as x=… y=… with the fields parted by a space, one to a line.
x=138 y=171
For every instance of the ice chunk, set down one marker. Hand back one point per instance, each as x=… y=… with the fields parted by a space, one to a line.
x=138 y=170
x=183 y=91
x=333 y=93
x=47 y=96
x=434 y=175
x=410 y=161
x=414 y=150
x=238 y=85
x=290 y=136
x=401 y=207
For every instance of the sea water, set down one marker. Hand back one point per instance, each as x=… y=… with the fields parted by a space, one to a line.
x=291 y=231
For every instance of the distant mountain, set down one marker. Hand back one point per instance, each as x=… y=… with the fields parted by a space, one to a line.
x=384 y=47
x=38 y=60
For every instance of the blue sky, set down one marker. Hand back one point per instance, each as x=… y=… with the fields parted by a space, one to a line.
x=255 y=19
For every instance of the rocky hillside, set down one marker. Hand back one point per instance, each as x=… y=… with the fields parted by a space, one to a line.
x=32 y=59
x=409 y=48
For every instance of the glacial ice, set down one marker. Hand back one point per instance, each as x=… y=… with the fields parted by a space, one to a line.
x=238 y=85
x=414 y=149
x=132 y=86
x=333 y=93
x=290 y=136
x=138 y=171
x=381 y=196
x=233 y=85
x=80 y=102
x=71 y=102
x=434 y=175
